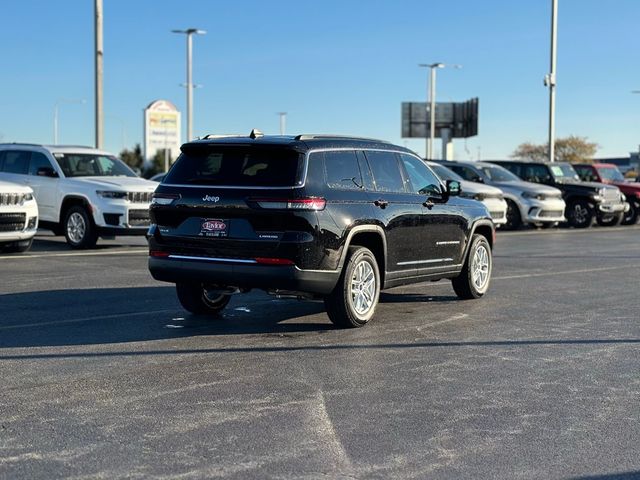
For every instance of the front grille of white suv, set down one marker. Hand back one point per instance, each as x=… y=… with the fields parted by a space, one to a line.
x=139 y=197
x=7 y=199
x=12 y=222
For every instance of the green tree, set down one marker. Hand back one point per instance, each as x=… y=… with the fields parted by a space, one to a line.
x=157 y=163
x=571 y=149
x=133 y=157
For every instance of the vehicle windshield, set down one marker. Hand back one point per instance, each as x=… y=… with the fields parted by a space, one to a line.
x=564 y=172
x=612 y=174
x=236 y=166
x=92 y=165
x=445 y=174
x=500 y=174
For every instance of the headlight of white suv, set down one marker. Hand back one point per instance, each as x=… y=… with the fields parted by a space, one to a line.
x=111 y=194
x=28 y=197
x=537 y=196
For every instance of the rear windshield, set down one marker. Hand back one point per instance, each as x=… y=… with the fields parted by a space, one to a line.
x=237 y=167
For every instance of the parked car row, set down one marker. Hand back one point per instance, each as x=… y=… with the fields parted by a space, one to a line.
x=545 y=194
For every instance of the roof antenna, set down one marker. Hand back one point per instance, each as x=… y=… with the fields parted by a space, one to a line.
x=255 y=133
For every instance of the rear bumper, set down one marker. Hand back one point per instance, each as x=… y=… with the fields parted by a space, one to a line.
x=265 y=277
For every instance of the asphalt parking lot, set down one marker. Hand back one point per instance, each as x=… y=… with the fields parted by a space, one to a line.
x=105 y=376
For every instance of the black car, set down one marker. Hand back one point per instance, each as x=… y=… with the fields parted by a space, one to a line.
x=312 y=216
x=585 y=200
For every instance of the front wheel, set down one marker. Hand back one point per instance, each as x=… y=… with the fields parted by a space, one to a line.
x=514 y=219
x=79 y=229
x=195 y=298
x=579 y=214
x=473 y=281
x=354 y=299
x=631 y=217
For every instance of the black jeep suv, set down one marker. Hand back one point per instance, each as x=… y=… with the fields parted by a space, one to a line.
x=312 y=216
x=585 y=200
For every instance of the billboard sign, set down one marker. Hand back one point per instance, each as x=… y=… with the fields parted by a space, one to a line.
x=460 y=118
x=161 y=129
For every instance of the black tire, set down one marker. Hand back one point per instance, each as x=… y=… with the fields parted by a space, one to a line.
x=18 y=247
x=514 y=219
x=193 y=297
x=631 y=217
x=579 y=214
x=343 y=309
x=465 y=286
x=79 y=229
x=611 y=221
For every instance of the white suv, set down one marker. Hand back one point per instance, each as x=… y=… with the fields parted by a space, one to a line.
x=82 y=193
x=18 y=217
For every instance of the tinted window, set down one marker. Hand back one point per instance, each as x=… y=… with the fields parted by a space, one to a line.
x=386 y=171
x=499 y=174
x=1 y=160
x=586 y=174
x=38 y=160
x=467 y=173
x=16 y=162
x=422 y=180
x=342 y=170
x=536 y=173
x=237 y=166
x=445 y=174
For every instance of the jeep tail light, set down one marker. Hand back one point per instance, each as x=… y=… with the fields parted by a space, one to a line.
x=158 y=254
x=311 y=203
x=164 y=198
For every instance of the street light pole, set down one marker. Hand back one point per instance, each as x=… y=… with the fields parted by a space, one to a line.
x=99 y=139
x=283 y=121
x=431 y=100
x=550 y=80
x=189 y=85
x=55 y=114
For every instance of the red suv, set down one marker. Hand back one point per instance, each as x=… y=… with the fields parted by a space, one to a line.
x=609 y=173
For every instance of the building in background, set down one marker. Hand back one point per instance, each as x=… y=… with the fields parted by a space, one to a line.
x=161 y=129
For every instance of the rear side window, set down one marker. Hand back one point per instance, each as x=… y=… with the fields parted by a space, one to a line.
x=386 y=171
x=465 y=172
x=537 y=173
x=38 y=160
x=586 y=174
x=342 y=170
x=16 y=162
x=237 y=167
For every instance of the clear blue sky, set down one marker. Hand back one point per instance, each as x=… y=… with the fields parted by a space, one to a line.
x=334 y=66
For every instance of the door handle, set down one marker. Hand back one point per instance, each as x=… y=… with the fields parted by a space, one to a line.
x=428 y=203
x=381 y=203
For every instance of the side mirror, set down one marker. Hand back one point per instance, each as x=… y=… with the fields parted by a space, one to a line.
x=478 y=179
x=46 y=172
x=453 y=188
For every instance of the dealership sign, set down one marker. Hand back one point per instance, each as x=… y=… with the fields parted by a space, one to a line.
x=161 y=129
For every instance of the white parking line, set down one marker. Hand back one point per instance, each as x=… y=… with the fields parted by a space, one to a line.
x=565 y=272
x=77 y=254
x=87 y=319
x=570 y=231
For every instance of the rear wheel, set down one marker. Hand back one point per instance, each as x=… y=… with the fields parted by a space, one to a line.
x=353 y=302
x=514 y=219
x=79 y=229
x=195 y=299
x=473 y=281
x=579 y=214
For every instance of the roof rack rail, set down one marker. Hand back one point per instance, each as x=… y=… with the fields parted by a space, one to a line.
x=26 y=144
x=339 y=137
x=213 y=136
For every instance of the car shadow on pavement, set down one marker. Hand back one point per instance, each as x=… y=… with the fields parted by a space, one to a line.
x=612 y=476
x=58 y=244
x=139 y=314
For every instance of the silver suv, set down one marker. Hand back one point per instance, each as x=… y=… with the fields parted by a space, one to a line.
x=527 y=203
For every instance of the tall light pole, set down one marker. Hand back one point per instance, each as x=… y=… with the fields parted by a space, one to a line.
x=55 y=114
x=283 y=122
x=189 y=32
x=99 y=140
x=550 y=80
x=431 y=100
